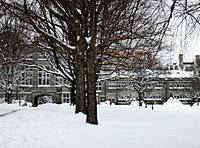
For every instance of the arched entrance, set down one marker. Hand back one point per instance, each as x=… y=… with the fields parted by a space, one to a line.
x=39 y=92
x=42 y=99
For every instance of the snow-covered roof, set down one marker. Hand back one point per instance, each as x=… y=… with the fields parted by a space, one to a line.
x=112 y=76
x=179 y=74
x=169 y=74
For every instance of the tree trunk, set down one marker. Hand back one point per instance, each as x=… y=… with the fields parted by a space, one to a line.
x=73 y=94
x=140 y=99
x=91 y=88
x=91 y=67
x=9 y=97
x=80 y=83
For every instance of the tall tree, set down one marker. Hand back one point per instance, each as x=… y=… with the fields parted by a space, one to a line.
x=69 y=28
x=13 y=45
x=86 y=30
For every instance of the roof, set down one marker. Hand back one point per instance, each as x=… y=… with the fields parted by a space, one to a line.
x=178 y=74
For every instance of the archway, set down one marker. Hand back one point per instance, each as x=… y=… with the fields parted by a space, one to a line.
x=42 y=99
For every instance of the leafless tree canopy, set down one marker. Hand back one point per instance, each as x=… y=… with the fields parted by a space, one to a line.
x=13 y=49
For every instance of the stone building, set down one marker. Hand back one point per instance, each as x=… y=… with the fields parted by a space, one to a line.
x=176 y=82
x=36 y=83
x=180 y=81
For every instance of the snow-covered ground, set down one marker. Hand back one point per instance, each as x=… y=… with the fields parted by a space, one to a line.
x=56 y=126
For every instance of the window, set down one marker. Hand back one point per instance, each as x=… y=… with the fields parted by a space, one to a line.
x=21 y=96
x=60 y=81
x=27 y=77
x=66 y=97
x=117 y=85
x=178 y=96
x=43 y=78
x=112 y=85
x=98 y=86
x=171 y=85
x=153 y=96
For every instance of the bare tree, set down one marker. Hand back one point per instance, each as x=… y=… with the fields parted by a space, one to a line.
x=130 y=26
x=13 y=46
x=190 y=90
x=70 y=28
x=89 y=30
x=145 y=73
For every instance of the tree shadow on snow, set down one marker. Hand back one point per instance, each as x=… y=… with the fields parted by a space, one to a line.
x=5 y=114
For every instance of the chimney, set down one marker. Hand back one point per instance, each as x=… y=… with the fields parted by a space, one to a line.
x=197 y=60
x=181 y=60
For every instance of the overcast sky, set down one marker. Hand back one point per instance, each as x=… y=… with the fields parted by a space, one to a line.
x=185 y=41
x=182 y=41
x=189 y=47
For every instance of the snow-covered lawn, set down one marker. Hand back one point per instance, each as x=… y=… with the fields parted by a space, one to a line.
x=56 y=126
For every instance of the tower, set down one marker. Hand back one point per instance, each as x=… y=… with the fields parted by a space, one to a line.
x=181 y=60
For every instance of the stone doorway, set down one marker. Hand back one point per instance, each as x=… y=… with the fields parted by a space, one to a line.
x=42 y=99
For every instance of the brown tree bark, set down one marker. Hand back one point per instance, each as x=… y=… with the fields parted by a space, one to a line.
x=72 y=93
x=91 y=88
x=91 y=67
x=80 y=83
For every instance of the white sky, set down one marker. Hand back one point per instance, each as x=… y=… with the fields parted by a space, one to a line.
x=190 y=48
x=182 y=42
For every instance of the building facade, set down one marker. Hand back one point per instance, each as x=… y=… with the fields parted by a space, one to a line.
x=180 y=81
x=35 y=83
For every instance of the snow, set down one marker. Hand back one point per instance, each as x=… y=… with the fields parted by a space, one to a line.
x=181 y=74
x=173 y=102
x=79 y=11
x=56 y=126
x=88 y=39
x=177 y=74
